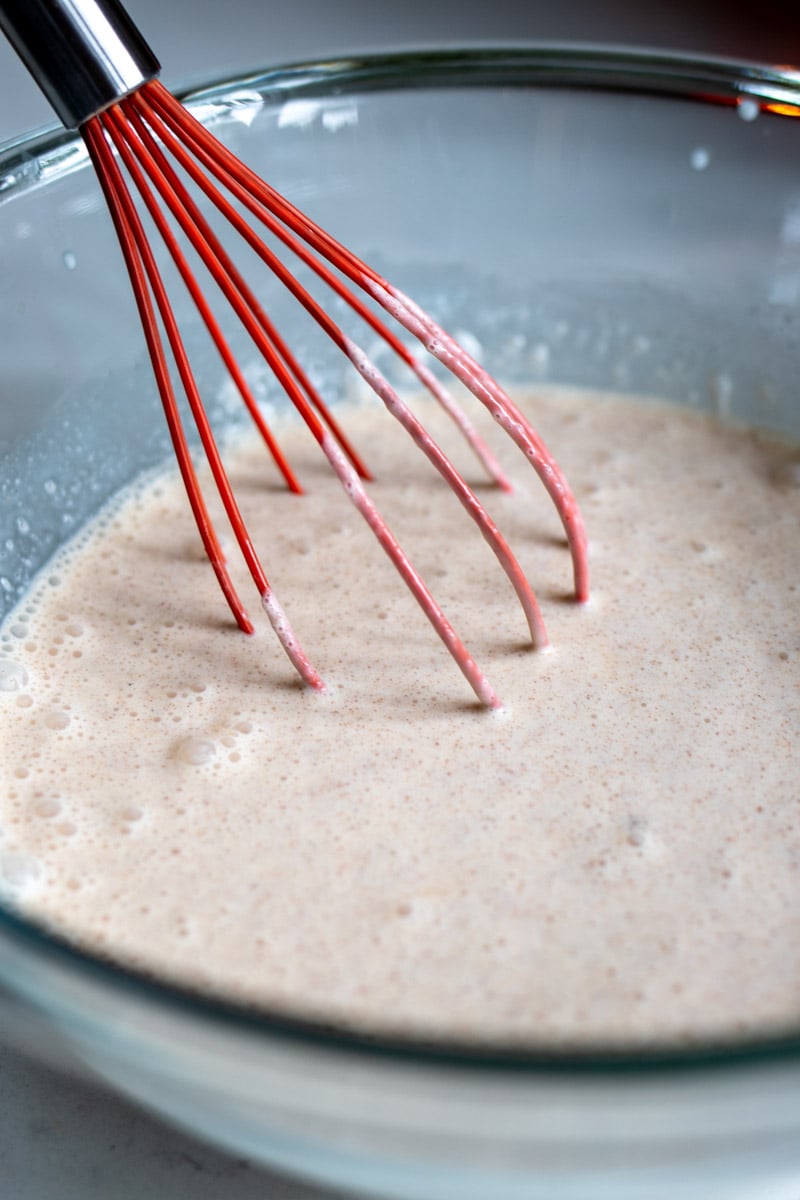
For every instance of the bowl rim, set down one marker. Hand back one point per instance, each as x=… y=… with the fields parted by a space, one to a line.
x=36 y=158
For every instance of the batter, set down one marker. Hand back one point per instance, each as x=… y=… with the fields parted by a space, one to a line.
x=613 y=857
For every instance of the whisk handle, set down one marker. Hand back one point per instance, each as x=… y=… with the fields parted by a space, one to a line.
x=84 y=54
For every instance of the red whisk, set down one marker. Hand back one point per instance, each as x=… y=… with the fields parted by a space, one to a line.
x=100 y=77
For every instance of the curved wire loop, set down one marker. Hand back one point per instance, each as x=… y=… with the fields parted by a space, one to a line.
x=160 y=145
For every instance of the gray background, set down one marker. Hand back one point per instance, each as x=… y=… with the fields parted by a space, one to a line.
x=61 y=1138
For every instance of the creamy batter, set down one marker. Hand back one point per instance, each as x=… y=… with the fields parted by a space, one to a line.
x=615 y=856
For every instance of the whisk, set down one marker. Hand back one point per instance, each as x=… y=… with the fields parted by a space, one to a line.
x=101 y=78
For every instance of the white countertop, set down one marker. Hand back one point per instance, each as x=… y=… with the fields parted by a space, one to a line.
x=62 y=1138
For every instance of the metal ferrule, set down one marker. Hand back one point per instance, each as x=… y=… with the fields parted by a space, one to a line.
x=84 y=54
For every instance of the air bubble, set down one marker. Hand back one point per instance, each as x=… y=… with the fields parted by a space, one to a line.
x=721 y=389
x=56 y=719
x=470 y=343
x=17 y=871
x=196 y=751
x=748 y=109
x=540 y=358
x=47 y=808
x=69 y=259
x=700 y=158
x=636 y=832
x=13 y=675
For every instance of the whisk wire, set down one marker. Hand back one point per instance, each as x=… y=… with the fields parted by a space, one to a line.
x=138 y=127
x=183 y=207
x=113 y=185
x=191 y=133
x=226 y=166
x=140 y=257
x=201 y=303
x=507 y=414
x=209 y=239
x=113 y=124
x=223 y=270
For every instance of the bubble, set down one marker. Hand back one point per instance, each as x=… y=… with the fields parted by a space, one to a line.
x=47 y=808
x=636 y=832
x=720 y=387
x=540 y=358
x=700 y=158
x=196 y=751
x=18 y=870
x=69 y=260
x=13 y=675
x=469 y=342
x=748 y=109
x=56 y=718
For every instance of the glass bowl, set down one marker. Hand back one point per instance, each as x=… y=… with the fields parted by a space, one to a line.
x=590 y=216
